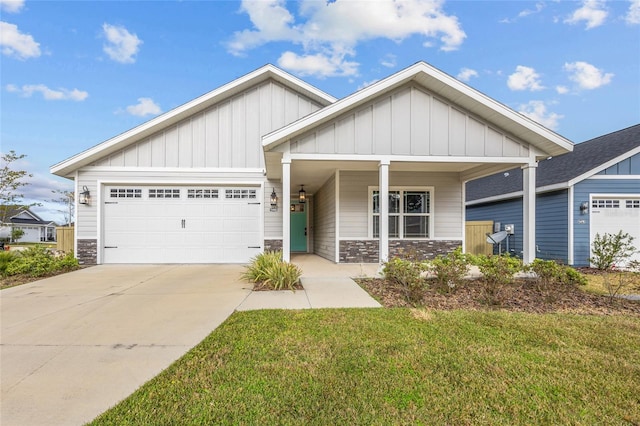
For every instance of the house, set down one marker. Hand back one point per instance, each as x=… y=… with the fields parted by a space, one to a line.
x=268 y=161
x=21 y=217
x=593 y=190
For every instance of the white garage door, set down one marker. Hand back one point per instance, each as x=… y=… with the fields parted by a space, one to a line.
x=611 y=214
x=179 y=224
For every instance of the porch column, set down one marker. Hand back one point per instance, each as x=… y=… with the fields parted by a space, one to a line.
x=529 y=212
x=286 y=214
x=383 y=201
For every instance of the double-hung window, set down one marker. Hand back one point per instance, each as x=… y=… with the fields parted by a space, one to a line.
x=410 y=212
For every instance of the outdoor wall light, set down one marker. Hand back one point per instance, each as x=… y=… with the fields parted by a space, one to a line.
x=85 y=196
x=584 y=207
x=274 y=200
x=302 y=195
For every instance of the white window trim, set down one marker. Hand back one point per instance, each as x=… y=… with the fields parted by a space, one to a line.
x=402 y=189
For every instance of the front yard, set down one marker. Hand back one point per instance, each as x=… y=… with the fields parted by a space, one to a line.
x=399 y=366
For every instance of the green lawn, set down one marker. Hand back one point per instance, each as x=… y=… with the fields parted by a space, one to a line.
x=399 y=366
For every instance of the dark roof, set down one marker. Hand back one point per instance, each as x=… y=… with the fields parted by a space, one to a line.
x=586 y=156
x=9 y=211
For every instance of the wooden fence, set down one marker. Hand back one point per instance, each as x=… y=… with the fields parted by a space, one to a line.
x=64 y=238
x=476 y=237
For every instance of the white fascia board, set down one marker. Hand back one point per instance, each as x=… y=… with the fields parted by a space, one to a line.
x=484 y=106
x=495 y=198
x=66 y=167
x=411 y=158
x=605 y=166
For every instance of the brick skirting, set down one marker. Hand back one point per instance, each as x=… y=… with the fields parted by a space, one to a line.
x=87 y=252
x=272 y=245
x=366 y=251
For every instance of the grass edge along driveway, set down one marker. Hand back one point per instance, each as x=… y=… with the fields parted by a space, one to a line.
x=399 y=366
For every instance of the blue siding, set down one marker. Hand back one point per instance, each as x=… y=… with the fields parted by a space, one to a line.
x=505 y=212
x=552 y=227
x=630 y=166
x=582 y=190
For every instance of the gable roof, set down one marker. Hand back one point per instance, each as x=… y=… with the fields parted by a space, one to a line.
x=68 y=166
x=440 y=84
x=12 y=211
x=587 y=159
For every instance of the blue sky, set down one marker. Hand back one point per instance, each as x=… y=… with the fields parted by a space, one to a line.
x=76 y=73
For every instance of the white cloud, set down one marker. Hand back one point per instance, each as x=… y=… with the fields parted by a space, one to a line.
x=17 y=44
x=525 y=78
x=318 y=65
x=593 y=12
x=633 y=15
x=562 y=90
x=389 y=60
x=537 y=111
x=327 y=31
x=11 y=6
x=465 y=74
x=526 y=12
x=121 y=45
x=48 y=94
x=368 y=83
x=587 y=76
x=145 y=106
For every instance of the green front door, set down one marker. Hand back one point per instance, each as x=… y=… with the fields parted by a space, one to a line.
x=298 y=227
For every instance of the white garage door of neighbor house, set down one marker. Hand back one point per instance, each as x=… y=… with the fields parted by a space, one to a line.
x=615 y=213
x=179 y=224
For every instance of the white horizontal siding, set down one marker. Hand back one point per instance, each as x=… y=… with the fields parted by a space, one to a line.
x=324 y=220
x=273 y=220
x=409 y=121
x=226 y=135
x=354 y=201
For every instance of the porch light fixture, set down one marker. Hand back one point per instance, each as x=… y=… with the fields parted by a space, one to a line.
x=584 y=207
x=85 y=196
x=274 y=200
x=302 y=195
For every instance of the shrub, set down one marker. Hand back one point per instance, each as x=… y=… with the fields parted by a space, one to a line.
x=6 y=257
x=550 y=272
x=498 y=269
x=37 y=261
x=449 y=269
x=407 y=274
x=610 y=250
x=270 y=270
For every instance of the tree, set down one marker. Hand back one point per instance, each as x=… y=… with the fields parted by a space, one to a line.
x=10 y=183
x=16 y=234
x=65 y=199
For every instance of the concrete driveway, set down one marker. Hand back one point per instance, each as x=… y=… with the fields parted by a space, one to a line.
x=74 y=345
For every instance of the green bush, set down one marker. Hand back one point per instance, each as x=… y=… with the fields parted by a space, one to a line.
x=450 y=270
x=407 y=274
x=37 y=261
x=270 y=270
x=498 y=269
x=549 y=273
x=6 y=257
x=610 y=250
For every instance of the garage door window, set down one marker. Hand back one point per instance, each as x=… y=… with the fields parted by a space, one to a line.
x=125 y=193
x=633 y=204
x=202 y=193
x=240 y=193
x=605 y=204
x=164 y=193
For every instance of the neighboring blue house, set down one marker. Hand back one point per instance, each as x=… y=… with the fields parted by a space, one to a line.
x=593 y=190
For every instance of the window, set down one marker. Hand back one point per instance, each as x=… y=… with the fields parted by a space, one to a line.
x=240 y=193
x=164 y=193
x=125 y=193
x=605 y=204
x=202 y=193
x=409 y=213
x=633 y=204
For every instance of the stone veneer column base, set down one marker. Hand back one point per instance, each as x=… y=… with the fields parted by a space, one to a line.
x=87 y=251
x=272 y=245
x=366 y=251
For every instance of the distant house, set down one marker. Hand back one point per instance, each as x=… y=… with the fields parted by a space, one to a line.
x=593 y=190
x=269 y=162
x=20 y=217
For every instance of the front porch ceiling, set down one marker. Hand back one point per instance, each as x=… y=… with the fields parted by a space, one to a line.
x=314 y=173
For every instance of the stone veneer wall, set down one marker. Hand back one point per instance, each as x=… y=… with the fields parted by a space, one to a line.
x=272 y=245
x=366 y=251
x=87 y=252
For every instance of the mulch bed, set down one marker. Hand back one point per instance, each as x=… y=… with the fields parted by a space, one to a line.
x=522 y=296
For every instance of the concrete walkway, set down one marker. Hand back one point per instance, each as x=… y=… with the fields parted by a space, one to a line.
x=74 y=345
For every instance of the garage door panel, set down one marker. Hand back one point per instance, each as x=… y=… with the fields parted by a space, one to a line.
x=209 y=228
x=612 y=214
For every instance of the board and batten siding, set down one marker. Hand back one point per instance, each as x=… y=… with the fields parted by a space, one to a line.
x=324 y=220
x=505 y=212
x=630 y=166
x=409 y=121
x=581 y=193
x=87 y=215
x=226 y=135
x=446 y=204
